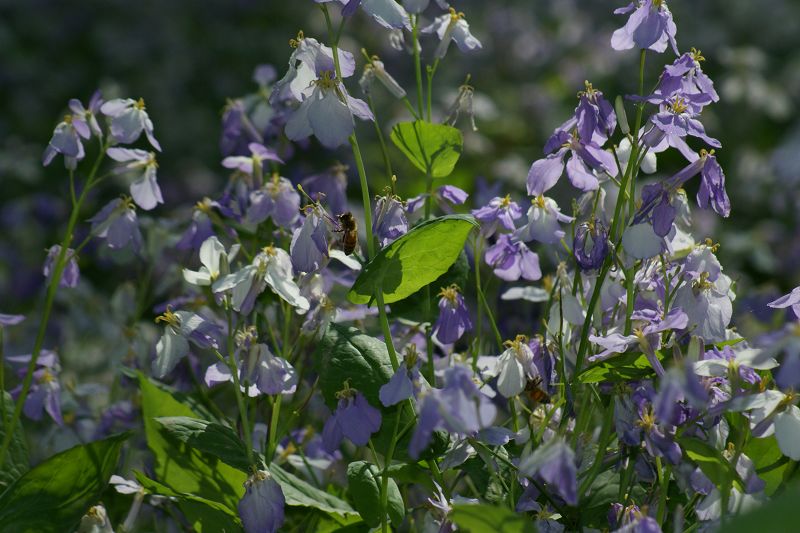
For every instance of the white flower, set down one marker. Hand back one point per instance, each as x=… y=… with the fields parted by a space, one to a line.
x=513 y=367
x=215 y=261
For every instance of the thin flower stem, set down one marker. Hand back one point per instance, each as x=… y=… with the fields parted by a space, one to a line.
x=417 y=62
x=431 y=74
x=52 y=289
x=477 y=252
x=387 y=163
x=387 y=461
x=248 y=440
x=606 y=435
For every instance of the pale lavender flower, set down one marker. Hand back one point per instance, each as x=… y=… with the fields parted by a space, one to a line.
x=544 y=222
x=66 y=140
x=144 y=188
x=71 y=273
x=10 y=320
x=790 y=300
x=128 y=120
x=278 y=200
x=554 y=464
x=452 y=27
x=200 y=228
x=354 y=419
x=44 y=395
x=511 y=259
x=309 y=248
x=329 y=188
x=678 y=118
x=453 y=320
x=650 y=27
x=404 y=383
x=389 y=222
x=182 y=327
x=259 y=369
x=253 y=165
x=499 y=212
x=514 y=367
x=116 y=222
x=262 y=506
x=387 y=13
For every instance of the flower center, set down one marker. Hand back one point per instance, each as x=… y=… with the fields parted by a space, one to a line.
x=678 y=105
x=169 y=318
x=450 y=294
x=139 y=104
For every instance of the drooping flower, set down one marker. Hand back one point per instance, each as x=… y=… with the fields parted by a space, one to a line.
x=452 y=27
x=253 y=165
x=261 y=509
x=685 y=76
x=790 y=300
x=309 y=248
x=260 y=372
x=117 y=223
x=453 y=320
x=278 y=200
x=200 y=228
x=708 y=304
x=354 y=419
x=389 y=222
x=44 y=395
x=271 y=267
x=144 y=189
x=544 y=219
x=405 y=382
x=128 y=120
x=66 y=140
x=514 y=367
x=444 y=197
x=591 y=245
x=71 y=273
x=499 y=212
x=511 y=259
x=182 y=327
x=329 y=188
x=650 y=27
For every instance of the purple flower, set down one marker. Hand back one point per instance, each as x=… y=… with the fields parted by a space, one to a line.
x=685 y=77
x=144 y=189
x=554 y=464
x=590 y=246
x=404 y=383
x=354 y=418
x=260 y=372
x=389 y=222
x=66 y=140
x=71 y=273
x=128 y=120
x=200 y=228
x=650 y=27
x=544 y=219
x=452 y=27
x=444 y=196
x=677 y=119
x=253 y=165
x=631 y=520
x=88 y=115
x=790 y=300
x=586 y=156
x=453 y=319
x=387 y=13
x=309 y=248
x=329 y=187
x=10 y=320
x=594 y=119
x=459 y=407
x=45 y=392
x=116 y=222
x=327 y=113
x=238 y=131
x=182 y=327
x=261 y=507
x=511 y=259
x=278 y=200
x=499 y=212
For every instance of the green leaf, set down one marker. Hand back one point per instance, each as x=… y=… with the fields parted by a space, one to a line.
x=299 y=493
x=624 y=367
x=780 y=514
x=711 y=461
x=432 y=148
x=17 y=461
x=54 y=495
x=180 y=467
x=414 y=307
x=364 y=485
x=347 y=354
x=208 y=437
x=480 y=518
x=216 y=516
x=414 y=260
x=770 y=463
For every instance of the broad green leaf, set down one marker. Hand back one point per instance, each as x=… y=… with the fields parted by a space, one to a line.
x=432 y=148
x=347 y=354
x=299 y=493
x=770 y=463
x=414 y=260
x=780 y=514
x=54 y=495
x=208 y=437
x=180 y=467
x=17 y=462
x=711 y=461
x=481 y=518
x=364 y=486
x=216 y=516
x=623 y=367
x=414 y=307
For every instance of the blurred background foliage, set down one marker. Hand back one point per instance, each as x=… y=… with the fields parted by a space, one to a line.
x=186 y=58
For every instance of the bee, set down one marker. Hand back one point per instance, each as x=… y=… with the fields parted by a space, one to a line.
x=534 y=391
x=349 y=231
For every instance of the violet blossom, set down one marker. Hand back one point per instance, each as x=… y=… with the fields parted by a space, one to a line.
x=354 y=419
x=511 y=259
x=128 y=120
x=144 y=188
x=453 y=320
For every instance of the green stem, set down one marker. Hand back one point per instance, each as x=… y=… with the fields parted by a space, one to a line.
x=52 y=289
x=248 y=440
x=385 y=475
x=417 y=62
x=387 y=163
x=662 y=500
x=431 y=74
x=605 y=438
x=476 y=247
